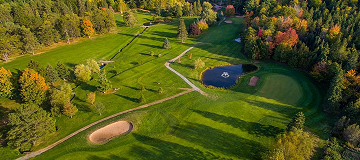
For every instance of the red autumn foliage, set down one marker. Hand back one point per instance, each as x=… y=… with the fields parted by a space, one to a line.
x=260 y=33
x=290 y=37
x=230 y=10
x=104 y=9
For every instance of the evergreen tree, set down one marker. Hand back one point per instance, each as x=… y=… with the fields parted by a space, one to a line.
x=178 y=10
x=297 y=122
x=142 y=99
x=182 y=33
x=166 y=44
x=28 y=124
x=334 y=95
x=63 y=71
x=104 y=83
x=70 y=26
x=130 y=18
x=186 y=9
x=51 y=74
x=198 y=8
x=36 y=66
x=28 y=39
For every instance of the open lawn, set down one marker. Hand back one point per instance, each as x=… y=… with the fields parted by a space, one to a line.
x=239 y=123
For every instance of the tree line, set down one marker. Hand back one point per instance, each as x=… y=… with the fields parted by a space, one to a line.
x=321 y=37
x=26 y=26
x=45 y=93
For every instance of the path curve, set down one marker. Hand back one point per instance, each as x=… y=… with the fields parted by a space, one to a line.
x=167 y=64
x=36 y=153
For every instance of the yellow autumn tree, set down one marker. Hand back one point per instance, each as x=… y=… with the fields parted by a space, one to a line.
x=6 y=85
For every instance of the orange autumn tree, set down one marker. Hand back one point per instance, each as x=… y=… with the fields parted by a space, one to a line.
x=87 y=28
x=33 y=88
x=351 y=83
x=290 y=37
x=334 y=32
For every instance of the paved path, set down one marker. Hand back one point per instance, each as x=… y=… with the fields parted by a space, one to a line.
x=36 y=153
x=167 y=64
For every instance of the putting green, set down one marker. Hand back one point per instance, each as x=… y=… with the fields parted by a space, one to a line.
x=281 y=88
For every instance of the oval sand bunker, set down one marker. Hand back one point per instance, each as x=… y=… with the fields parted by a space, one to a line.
x=112 y=130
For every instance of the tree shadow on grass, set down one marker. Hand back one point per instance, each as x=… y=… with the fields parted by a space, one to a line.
x=88 y=87
x=128 y=98
x=218 y=140
x=152 y=46
x=134 y=88
x=167 y=150
x=120 y=23
x=111 y=157
x=286 y=110
x=250 y=127
x=81 y=105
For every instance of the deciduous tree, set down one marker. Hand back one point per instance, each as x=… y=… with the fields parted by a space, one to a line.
x=104 y=83
x=82 y=73
x=87 y=28
x=33 y=88
x=297 y=122
x=69 y=109
x=6 y=83
x=194 y=30
x=91 y=97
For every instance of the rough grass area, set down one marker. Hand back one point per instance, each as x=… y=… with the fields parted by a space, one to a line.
x=240 y=123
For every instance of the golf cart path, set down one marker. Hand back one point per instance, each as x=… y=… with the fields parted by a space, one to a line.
x=167 y=64
x=36 y=153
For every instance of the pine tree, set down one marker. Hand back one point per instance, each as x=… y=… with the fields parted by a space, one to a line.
x=142 y=99
x=51 y=74
x=105 y=84
x=334 y=94
x=29 y=123
x=198 y=8
x=36 y=66
x=182 y=33
x=130 y=18
x=166 y=44
x=63 y=71
x=297 y=122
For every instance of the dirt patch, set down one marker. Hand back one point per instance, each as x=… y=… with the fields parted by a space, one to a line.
x=253 y=81
x=228 y=21
x=110 y=131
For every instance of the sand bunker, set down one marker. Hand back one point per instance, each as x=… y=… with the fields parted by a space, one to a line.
x=253 y=81
x=228 y=21
x=112 y=130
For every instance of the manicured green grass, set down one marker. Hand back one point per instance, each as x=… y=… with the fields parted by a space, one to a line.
x=239 y=123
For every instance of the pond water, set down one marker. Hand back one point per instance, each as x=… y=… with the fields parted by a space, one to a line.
x=225 y=76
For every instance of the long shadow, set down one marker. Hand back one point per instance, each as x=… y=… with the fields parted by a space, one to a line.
x=134 y=88
x=164 y=34
x=128 y=98
x=152 y=46
x=88 y=87
x=81 y=105
x=167 y=150
x=218 y=140
x=120 y=23
x=287 y=111
x=250 y=127
x=111 y=157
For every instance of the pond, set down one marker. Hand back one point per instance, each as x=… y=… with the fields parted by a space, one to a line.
x=225 y=76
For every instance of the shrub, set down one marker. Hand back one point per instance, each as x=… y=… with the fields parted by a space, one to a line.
x=142 y=98
x=199 y=64
x=202 y=25
x=194 y=30
x=230 y=10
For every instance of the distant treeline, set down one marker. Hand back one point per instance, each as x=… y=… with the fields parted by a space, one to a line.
x=26 y=25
